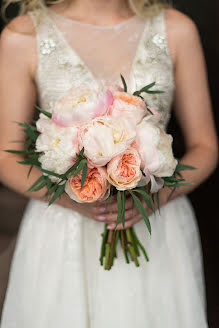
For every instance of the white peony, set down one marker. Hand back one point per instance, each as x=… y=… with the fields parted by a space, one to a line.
x=155 y=148
x=104 y=138
x=58 y=145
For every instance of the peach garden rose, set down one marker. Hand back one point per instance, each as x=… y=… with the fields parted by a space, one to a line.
x=128 y=106
x=123 y=171
x=96 y=186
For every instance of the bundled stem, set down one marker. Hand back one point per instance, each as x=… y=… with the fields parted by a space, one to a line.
x=131 y=246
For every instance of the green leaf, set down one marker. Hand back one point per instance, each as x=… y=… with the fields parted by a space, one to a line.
x=30 y=169
x=183 y=184
x=81 y=152
x=119 y=207
x=84 y=175
x=29 y=161
x=147 y=198
x=144 y=89
x=52 y=189
x=124 y=83
x=60 y=190
x=23 y=152
x=183 y=167
x=71 y=170
x=154 y=91
x=149 y=111
x=49 y=115
x=60 y=176
x=172 y=179
x=141 y=210
x=41 y=178
x=43 y=184
x=80 y=167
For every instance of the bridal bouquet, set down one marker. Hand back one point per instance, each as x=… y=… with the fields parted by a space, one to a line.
x=100 y=142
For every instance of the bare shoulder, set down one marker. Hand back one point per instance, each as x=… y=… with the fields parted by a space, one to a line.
x=18 y=38
x=181 y=30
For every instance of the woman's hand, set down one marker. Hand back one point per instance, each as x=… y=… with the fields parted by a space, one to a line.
x=107 y=212
x=132 y=214
x=103 y=211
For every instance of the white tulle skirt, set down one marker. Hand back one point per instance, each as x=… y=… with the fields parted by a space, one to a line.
x=56 y=279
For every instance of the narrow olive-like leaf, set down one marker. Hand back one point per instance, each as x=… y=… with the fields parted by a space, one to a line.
x=147 y=198
x=81 y=152
x=71 y=170
x=43 y=184
x=49 y=115
x=80 y=167
x=49 y=183
x=36 y=183
x=183 y=167
x=29 y=171
x=32 y=162
x=84 y=175
x=141 y=210
x=119 y=207
x=60 y=190
x=183 y=184
x=154 y=91
x=144 y=89
x=52 y=189
x=124 y=83
x=23 y=152
x=49 y=172
x=147 y=87
x=149 y=111
x=172 y=179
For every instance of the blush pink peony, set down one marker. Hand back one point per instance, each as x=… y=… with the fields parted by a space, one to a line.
x=96 y=186
x=80 y=105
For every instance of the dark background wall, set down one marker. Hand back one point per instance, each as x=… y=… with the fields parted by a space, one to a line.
x=204 y=199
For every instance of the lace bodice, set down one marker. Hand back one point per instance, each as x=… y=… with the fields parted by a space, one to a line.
x=71 y=53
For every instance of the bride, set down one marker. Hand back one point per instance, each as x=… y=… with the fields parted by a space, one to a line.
x=55 y=277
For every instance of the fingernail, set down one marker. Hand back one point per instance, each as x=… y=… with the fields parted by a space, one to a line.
x=101 y=218
x=111 y=226
x=102 y=209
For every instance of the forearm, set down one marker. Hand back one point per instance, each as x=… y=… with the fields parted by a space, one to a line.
x=204 y=159
x=15 y=176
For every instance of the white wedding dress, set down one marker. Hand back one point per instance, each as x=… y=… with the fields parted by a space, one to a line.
x=56 y=279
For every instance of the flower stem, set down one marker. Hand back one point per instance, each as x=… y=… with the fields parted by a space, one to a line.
x=122 y=239
x=131 y=247
x=115 y=245
x=112 y=244
x=140 y=245
x=104 y=238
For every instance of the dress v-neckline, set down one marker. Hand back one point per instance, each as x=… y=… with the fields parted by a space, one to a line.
x=72 y=52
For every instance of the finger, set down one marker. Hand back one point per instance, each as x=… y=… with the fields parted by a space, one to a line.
x=128 y=224
x=113 y=207
x=112 y=217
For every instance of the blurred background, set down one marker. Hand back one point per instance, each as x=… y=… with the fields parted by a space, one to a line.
x=204 y=199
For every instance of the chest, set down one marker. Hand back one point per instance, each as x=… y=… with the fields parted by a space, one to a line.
x=68 y=58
